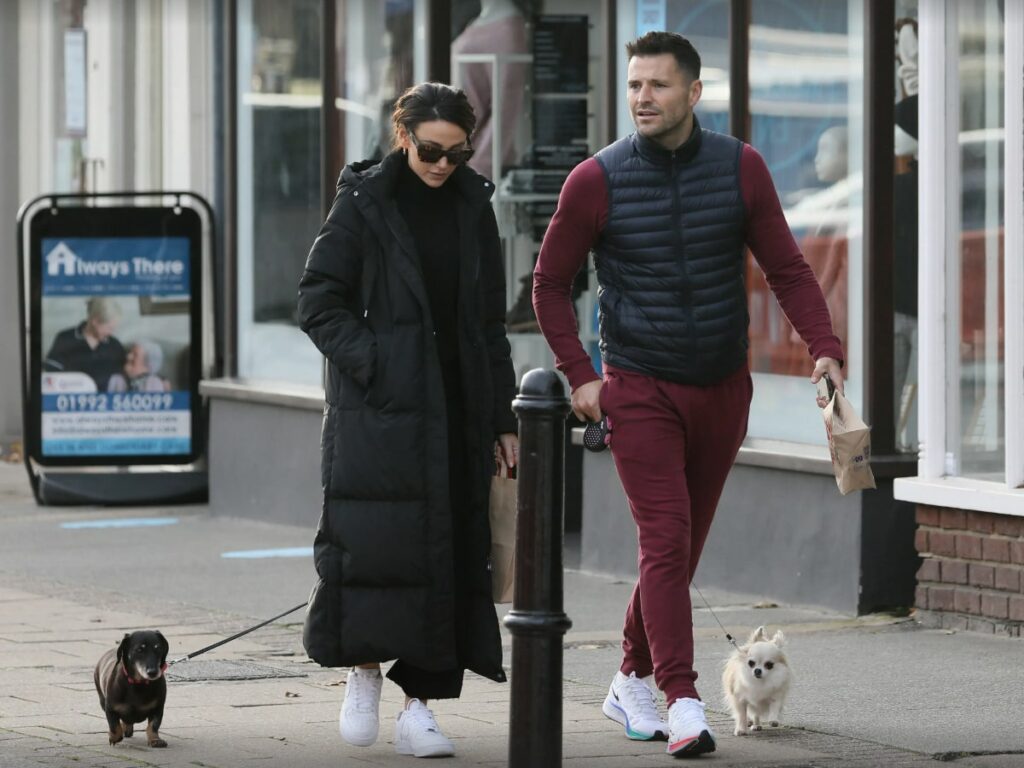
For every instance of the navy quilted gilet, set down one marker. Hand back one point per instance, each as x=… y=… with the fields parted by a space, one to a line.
x=670 y=259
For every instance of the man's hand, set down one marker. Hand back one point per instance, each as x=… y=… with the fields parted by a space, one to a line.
x=586 y=401
x=830 y=366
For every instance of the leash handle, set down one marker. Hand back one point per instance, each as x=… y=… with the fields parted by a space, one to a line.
x=239 y=634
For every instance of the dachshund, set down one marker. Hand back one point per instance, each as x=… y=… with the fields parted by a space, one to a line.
x=130 y=682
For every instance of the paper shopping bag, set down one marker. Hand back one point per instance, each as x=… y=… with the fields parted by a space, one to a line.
x=502 y=514
x=849 y=441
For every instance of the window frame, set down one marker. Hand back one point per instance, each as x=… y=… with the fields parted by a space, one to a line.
x=939 y=191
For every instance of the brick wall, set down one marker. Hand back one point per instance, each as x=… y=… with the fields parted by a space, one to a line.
x=972 y=570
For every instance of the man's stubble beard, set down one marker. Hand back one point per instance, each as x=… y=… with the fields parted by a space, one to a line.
x=664 y=130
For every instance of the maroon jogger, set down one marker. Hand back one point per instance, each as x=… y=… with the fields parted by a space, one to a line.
x=673 y=446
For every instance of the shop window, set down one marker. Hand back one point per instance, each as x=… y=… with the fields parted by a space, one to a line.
x=279 y=206
x=905 y=223
x=972 y=212
x=705 y=23
x=379 y=55
x=975 y=438
x=806 y=93
x=280 y=157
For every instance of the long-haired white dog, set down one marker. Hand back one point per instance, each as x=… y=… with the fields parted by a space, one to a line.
x=756 y=680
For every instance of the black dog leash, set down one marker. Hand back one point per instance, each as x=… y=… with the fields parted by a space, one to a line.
x=236 y=636
x=727 y=635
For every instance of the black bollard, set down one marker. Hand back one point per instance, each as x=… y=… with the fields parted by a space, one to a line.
x=537 y=621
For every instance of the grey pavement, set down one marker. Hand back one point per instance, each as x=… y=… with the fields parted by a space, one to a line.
x=869 y=691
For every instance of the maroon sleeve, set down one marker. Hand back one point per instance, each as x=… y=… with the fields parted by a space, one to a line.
x=789 y=276
x=581 y=215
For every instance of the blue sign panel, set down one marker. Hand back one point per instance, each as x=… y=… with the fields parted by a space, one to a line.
x=87 y=266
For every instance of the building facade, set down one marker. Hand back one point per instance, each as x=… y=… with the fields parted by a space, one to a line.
x=884 y=125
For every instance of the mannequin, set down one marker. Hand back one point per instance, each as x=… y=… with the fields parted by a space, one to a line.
x=492 y=10
x=905 y=238
x=830 y=163
x=906 y=71
x=499 y=28
x=825 y=246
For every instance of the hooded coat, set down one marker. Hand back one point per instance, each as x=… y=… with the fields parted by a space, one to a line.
x=384 y=545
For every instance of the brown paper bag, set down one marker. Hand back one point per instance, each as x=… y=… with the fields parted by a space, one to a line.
x=849 y=441
x=502 y=513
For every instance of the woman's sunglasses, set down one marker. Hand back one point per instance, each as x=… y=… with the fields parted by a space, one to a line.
x=429 y=153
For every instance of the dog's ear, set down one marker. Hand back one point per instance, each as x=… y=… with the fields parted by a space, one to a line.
x=165 y=647
x=757 y=636
x=779 y=639
x=122 y=649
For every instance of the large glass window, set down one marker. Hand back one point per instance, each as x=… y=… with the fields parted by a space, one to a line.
x=975 y=422
x=280 y=157
x=279 y=207
x=381 y=52
x=806 y=81
x=806 y=96
x=971 y=332
x=905 y=223
x=705 y=23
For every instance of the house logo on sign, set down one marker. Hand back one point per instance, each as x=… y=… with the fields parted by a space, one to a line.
x=61 y=260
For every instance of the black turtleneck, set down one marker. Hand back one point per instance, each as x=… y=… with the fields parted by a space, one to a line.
x=431 y=217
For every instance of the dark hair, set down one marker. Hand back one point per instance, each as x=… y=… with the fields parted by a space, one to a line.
x=432 y=101
x=655 y=43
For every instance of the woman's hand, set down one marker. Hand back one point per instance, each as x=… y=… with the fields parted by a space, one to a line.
x=508 y=448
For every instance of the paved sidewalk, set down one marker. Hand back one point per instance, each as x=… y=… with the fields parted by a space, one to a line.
x=870 y=691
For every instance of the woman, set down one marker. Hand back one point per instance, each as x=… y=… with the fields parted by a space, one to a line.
x=142 y=363
x=404 y=294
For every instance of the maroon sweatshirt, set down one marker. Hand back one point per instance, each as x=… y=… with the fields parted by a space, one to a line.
x=576 y=228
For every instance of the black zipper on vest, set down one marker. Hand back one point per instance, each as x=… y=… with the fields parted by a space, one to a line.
x=677 y=229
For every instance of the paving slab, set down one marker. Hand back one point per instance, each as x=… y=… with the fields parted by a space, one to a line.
x=869 y=691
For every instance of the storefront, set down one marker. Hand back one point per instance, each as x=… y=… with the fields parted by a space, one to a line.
x=969 y=488
x=257 y=104
x=812 y=84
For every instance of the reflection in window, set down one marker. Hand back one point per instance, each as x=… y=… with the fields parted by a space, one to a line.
x=280 y=156
x=976 y=415
x=375 y=65
x=705 y=23
x=285 y=98
x=278 y=180
x=806 y=86
x=905 y=205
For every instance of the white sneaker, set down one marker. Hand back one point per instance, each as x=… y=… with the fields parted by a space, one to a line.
x=416 y=733
x=632 y=703
x=688 y=730
x=359 y=720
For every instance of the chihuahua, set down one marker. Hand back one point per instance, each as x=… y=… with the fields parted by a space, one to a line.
x=756 y=680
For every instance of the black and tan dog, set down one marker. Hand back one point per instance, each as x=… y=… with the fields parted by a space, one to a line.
x=130 y=682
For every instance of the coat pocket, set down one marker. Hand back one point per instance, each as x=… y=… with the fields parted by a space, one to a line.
x=376 y=390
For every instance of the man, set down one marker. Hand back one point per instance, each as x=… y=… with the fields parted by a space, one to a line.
x=667 y=212
x=90 y=347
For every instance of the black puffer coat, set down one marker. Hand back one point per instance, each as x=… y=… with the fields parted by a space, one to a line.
x=383 y=548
